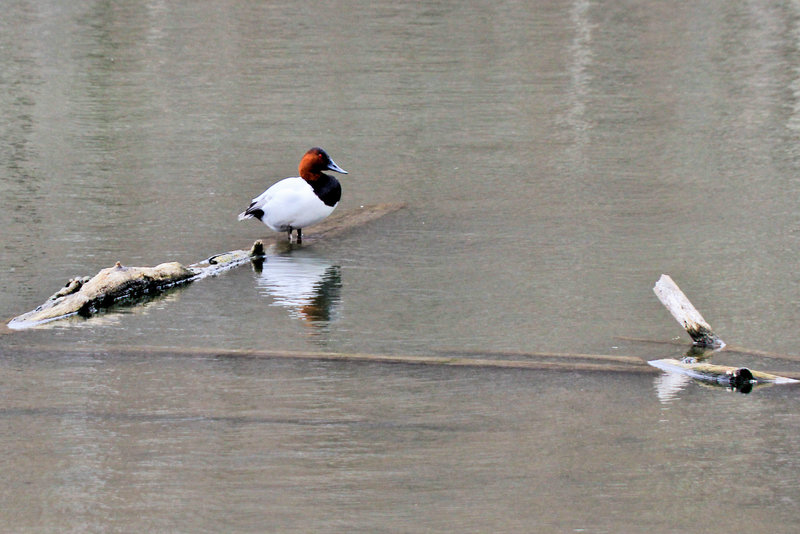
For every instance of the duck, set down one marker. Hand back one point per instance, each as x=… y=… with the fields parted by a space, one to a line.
x=295 y=203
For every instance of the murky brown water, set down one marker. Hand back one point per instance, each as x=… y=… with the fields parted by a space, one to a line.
x=555 y=157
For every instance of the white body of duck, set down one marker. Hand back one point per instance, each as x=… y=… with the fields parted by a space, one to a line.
x=298 y=202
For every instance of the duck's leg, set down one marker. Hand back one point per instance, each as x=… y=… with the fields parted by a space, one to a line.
x=289 y=235
x=299 y=235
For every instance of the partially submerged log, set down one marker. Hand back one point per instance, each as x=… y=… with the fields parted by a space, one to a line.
x=685 y=313
x=87 y=296
x=532 y=361
x=739 y=378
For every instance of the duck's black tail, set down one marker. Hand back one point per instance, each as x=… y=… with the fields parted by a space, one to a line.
x=251 y=212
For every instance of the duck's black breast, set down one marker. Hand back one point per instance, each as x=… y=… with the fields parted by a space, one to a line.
x=328 y=189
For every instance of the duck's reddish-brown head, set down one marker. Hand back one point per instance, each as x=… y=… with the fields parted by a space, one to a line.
x=314 y=162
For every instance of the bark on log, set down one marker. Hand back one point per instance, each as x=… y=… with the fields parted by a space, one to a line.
x=685 y=313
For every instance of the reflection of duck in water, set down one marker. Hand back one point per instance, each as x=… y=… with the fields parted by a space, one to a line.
x=308 y=287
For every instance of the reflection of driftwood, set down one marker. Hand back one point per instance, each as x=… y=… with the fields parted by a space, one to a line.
x=86 y=296
x=687 y=315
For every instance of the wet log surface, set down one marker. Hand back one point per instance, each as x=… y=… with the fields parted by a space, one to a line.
x=122 y=284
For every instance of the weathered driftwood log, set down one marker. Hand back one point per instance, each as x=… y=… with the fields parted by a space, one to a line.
x=687 y=315
x=86 y=296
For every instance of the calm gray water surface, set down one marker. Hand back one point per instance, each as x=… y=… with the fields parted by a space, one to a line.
x=556 y=158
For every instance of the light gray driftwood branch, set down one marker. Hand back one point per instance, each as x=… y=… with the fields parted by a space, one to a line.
x=685 y=313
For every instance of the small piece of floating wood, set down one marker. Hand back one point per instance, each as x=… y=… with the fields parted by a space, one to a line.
x=740 y=378
x=87 y=296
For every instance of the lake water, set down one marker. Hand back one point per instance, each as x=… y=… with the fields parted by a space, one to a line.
x=555 y=159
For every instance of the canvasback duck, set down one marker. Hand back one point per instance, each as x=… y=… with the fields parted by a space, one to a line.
x=301 y=201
